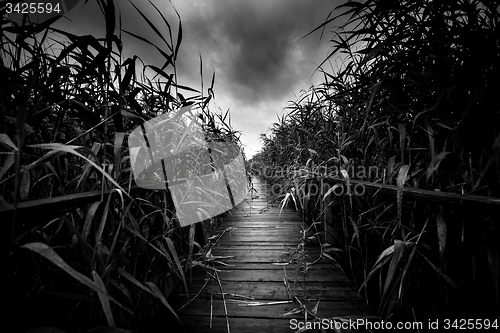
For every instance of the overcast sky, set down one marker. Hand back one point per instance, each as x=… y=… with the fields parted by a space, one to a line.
x=255 y=47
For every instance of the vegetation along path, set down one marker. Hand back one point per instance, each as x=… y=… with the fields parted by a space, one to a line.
x=260 y=281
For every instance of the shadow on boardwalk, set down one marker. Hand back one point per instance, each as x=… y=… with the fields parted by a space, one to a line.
x=260 y=285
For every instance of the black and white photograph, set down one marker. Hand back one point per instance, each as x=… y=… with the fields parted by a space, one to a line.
x=233 y=166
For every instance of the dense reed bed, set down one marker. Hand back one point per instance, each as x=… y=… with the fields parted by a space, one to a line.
x=375 y=156
x=67 y=105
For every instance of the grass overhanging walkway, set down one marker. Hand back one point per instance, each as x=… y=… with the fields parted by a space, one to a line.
x=260 y=282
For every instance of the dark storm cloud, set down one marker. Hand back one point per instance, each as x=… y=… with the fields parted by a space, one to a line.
x=255 y=45
x=255 y=48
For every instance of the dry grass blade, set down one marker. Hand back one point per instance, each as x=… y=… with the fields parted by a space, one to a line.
x=253 y=303
x=291 y=313
x=305 y=309
x=223 y=301
x=195 y=296
x=211 y=309
x=236 y=295
x=315 y=309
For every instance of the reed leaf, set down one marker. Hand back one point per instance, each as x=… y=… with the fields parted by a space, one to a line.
x=104 y=298
x=151 y=288
x=48 y=253
x=162 y=298
x=171 y=247
x=58 y=147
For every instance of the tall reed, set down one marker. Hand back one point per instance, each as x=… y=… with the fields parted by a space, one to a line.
x=415 y=103
x=68 y=103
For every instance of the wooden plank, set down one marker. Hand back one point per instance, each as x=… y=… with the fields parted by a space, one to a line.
x=254 y=258
x=280 y=228
x=260 y=220
x=260 y=256
x=245 y=248
x=260 y=224
x=326 y=309
x=290 y=267
x=257 y=243
x=262 y=238
x=246 y=225
x=242 y=232
x=276 y=276
x=265 y=246
x=250 y=246
x=240 y=325
x=270 y=237
x=270 y=290
x=246 y=212
x=263 y=218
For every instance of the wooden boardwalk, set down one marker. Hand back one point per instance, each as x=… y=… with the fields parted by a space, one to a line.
x=258 y=244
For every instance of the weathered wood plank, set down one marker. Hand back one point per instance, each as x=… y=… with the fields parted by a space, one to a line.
x=251 y=246
x=240 y=325
x=270 y=216
x=270 y=290
x=244 y=325
x=266 y=231
x=262 y=224
x=256 y=238
x=323 y=264
x=262 y=238
x=261 y=242
x=244 y=250
x=239 y=308
x=276 y=276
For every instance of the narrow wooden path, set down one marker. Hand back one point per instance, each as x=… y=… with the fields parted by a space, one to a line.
x=257 y=245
